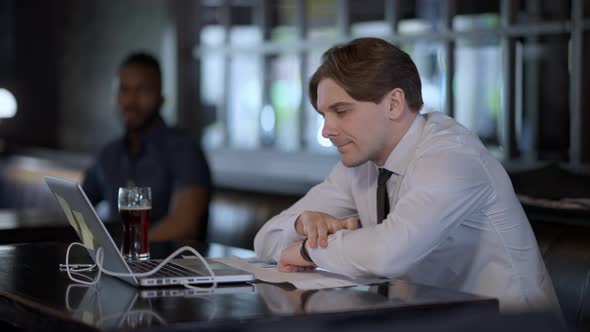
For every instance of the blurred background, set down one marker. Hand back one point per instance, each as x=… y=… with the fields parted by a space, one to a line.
x=236 y=74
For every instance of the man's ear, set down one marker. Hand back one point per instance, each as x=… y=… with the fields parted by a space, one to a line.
x=397 y=103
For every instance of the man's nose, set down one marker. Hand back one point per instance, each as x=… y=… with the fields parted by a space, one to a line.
x=328 y=130
x=127 y=99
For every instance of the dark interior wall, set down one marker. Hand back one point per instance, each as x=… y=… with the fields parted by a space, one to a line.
x=60 y=60
x=7 y=28
x=96 y=36
x=28 y=70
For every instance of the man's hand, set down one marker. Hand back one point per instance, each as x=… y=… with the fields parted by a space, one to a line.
x=318 y=225
x=291 y=260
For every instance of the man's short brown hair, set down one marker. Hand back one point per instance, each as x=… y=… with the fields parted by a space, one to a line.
x=367 y=69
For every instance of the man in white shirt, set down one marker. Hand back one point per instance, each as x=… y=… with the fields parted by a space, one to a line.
x=445 y=215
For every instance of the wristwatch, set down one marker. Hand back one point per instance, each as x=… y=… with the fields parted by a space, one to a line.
x=304 y=253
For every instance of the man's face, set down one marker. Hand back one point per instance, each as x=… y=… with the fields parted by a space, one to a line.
x=139 y=96
x=358 y=129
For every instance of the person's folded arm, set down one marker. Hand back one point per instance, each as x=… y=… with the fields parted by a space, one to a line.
x=189 y=202
x=436 y=195
x=332 y=196
x=187 y=210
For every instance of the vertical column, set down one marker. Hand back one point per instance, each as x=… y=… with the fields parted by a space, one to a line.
x=585 y=89
x=448 y=49
x=507 y=139
x=531 y=85
x=301 y=26
x=264 y=22
x=222 y=113
x=188 y=77
x=576 y=52
x=392 y=16
x=344 y=19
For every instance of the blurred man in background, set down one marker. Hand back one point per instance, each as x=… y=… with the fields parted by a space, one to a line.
x=152 y=154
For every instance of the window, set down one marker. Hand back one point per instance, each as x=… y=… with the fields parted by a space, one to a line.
x=477 y=81
x=489 y=64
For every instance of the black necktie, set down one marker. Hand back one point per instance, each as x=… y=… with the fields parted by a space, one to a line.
x=382 y=199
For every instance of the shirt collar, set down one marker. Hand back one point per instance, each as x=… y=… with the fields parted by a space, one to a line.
x=403 y=153
x=156 y=130
x=154 y=133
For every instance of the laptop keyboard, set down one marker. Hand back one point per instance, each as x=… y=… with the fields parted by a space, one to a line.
x=168 y=270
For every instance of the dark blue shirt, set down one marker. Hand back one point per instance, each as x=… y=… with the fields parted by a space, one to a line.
x=169 y=160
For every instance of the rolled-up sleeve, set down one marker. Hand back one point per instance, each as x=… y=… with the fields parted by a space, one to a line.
x=436 y=195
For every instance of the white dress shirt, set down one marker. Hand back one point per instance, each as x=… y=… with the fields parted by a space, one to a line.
x=455 y=221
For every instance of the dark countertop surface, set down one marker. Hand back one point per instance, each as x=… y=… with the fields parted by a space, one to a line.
x=35 y=295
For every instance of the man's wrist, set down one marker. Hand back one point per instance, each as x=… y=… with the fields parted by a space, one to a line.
x=298 y=225
x=304 y=253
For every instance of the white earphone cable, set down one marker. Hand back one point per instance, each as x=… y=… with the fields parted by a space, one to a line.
x=101 y=269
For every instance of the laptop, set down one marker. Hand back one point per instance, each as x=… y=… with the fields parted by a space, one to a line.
x=93 y=234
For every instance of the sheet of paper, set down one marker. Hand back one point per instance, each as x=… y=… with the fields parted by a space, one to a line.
x=68 y=212
x=88 y=317
x=87 y=236
x=317 y=279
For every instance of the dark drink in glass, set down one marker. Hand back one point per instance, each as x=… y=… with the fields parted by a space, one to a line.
x=136 y=222
x=135 y=207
